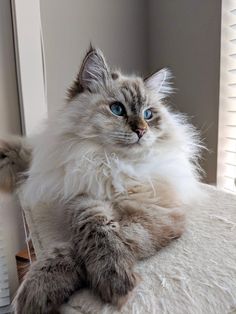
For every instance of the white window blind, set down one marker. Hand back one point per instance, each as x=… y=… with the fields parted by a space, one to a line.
x=4 y=282
x=226 y=172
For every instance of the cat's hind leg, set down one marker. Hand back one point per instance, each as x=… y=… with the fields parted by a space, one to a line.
x=149 y=228
x=49 y=283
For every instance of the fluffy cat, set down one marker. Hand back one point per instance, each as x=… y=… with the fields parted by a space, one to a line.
x=121 y=163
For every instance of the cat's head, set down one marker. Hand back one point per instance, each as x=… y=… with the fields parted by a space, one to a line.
x=117 y=111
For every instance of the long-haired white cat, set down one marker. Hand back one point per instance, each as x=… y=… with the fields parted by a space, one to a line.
x=119 y=162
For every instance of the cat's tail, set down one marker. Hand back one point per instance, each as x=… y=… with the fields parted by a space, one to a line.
x=15 y=157
x=49 y=283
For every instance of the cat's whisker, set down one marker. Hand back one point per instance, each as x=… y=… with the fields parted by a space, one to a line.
x=125 y=139
x=125 y=135
x=121 y=135
x=121 y=132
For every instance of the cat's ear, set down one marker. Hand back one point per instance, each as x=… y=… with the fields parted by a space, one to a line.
x=160 y=83
x=94 y=73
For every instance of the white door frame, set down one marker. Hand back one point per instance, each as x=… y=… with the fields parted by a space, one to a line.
x=30 y=63
x=31 y=76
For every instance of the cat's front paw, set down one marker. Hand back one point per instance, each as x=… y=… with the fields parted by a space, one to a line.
x=178 y=218
x=31 y=300
x=50 y=281
x=117 y=287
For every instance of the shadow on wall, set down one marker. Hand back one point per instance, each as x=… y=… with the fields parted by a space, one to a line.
x=185 y=35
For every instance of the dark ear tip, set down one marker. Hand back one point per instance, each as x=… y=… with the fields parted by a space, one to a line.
x=91 y=48
x=93 y=55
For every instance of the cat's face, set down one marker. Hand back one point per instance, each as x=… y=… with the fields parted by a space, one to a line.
x=115 y=110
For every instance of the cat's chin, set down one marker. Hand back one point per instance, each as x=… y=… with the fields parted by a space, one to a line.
x=130 y=150
x=139 y=146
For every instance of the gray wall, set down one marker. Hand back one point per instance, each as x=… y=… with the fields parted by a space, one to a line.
x=9 y=111
x=10 y=215
x=185 y=35
x=118 y=27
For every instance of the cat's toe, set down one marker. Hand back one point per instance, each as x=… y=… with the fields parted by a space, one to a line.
x=117 y=289
x=124 y=288
x=179 y=222
x=113 y=224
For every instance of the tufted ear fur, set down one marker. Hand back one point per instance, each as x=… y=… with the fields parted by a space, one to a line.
x=159 y=83
x=94 y=74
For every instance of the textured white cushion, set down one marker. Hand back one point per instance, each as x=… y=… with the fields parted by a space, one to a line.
x=195 y=274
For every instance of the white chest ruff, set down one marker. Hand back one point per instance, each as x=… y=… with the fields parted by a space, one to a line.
x=104 y=177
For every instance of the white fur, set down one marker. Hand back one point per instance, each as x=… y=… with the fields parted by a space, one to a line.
x=160 y=83
x=77 y=154
x=64 y=167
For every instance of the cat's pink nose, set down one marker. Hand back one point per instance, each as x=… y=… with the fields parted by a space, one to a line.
x=140 y=132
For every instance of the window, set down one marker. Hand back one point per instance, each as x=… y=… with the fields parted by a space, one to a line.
x=226 y=174
x=4 y=282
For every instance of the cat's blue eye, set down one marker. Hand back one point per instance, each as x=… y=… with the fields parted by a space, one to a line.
x=147 y=114
x=118 y=108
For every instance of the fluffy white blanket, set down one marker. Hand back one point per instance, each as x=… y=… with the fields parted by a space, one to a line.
x=194 y=275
